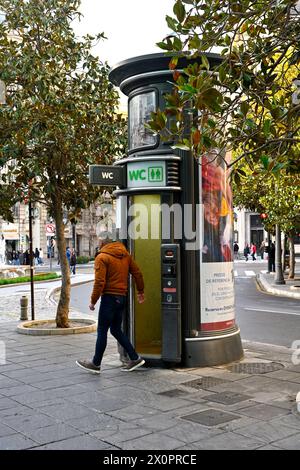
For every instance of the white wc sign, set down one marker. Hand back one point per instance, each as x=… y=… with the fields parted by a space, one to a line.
x=106 y=175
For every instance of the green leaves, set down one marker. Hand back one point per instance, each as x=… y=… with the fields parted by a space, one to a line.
x=172 y=23
x=265 y=159
x=267 y=127
x=61 y=111
x=255 y=79
x=244 y=108
x=179 y=10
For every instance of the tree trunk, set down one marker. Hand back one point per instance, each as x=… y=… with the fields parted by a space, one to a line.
x=283 y=252
x=292 y=258
x=62 y=313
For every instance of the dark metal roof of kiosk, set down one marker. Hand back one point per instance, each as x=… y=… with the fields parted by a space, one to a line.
x=145 y=69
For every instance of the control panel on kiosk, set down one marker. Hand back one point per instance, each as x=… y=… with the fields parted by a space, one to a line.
x=171 y=303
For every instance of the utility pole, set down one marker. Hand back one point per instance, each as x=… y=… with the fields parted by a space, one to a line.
x=31 y=258
x=74 y=236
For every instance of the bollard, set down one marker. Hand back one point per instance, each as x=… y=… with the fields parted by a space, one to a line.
x=24 y=308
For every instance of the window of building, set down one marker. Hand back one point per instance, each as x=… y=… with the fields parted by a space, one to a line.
x=255 y=221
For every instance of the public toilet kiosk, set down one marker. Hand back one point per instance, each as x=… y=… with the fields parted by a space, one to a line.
x=175 y=214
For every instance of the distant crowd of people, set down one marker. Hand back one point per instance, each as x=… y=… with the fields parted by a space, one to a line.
x=251 y=250
x=21 y=257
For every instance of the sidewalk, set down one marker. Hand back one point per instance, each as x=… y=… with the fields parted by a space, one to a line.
x=47 y=402
x=10 y=298
x=290 y=289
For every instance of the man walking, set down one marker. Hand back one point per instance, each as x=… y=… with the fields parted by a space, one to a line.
x=112 y=266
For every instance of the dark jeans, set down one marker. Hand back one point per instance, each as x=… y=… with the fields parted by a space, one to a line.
x=110 y=316
x=272 y=264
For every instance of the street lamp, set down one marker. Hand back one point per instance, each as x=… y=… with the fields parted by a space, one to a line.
x=30 y=216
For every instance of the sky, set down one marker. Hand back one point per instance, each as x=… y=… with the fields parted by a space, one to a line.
x=132 y=27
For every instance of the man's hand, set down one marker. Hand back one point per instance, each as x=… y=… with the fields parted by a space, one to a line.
x=92 y=307
x=141 y=298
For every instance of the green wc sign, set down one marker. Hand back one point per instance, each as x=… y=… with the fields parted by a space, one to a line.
x=146 y=174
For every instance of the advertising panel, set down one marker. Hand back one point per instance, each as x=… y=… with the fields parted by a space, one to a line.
x=217 y=279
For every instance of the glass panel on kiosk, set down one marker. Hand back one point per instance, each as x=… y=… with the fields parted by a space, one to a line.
x=147 y=254
x=140 y=108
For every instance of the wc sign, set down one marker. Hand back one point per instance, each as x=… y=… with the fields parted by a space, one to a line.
x=146 y=174
x=107 y=175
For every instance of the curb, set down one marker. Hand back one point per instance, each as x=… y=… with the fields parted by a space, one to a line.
x=50 y=293
x=24 y=328
x=259 y=346
x=298 y=402
x=265 y=286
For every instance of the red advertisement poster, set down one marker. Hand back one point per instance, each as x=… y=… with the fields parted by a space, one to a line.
x=217 y=281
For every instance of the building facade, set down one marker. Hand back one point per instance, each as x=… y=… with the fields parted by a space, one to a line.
x=83 y=235
x=248 y=228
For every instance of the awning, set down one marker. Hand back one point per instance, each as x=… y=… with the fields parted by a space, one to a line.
x=11 y=236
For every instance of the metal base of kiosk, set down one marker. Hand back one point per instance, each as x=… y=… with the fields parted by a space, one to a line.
x=210 y=351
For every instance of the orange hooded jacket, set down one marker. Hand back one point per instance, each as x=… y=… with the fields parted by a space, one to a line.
x=112 y=266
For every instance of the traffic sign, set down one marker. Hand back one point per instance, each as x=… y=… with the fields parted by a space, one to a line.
x=50 y=229
x=107 y=175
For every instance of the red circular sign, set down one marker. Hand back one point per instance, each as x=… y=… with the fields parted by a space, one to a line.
x=50 y=229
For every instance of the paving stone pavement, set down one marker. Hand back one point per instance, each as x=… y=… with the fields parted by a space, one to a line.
x=46 y=402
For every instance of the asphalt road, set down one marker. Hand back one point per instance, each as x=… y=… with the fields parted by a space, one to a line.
x=261 y=317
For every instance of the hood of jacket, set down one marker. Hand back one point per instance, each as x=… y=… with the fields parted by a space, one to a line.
x=116 y=249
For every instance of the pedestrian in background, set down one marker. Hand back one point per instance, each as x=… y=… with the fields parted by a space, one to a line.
x=21 y=257
x=236 y=250
x=73 y=261
x=36 y=256
x=246 y=251
x=271 y=254
x=41 y=258
x=253 y=251
x=68 y=254
x=26 y=257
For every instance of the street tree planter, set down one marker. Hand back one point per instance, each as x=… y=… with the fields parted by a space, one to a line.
x=48 y=327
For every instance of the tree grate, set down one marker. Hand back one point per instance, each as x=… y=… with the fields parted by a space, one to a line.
x=175 y=392
x=255 y=367
x=211 y=417
x=205 y=383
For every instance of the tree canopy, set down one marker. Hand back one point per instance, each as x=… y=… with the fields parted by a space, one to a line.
x=60 y=114
x=276 y=197
x=250 y=102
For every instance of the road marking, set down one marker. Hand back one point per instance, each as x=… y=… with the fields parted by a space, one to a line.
x=250 y=273
x=235 y=273
x=264 y=271
x=271 y=311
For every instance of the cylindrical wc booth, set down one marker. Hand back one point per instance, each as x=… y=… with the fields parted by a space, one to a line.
x=175 y=214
